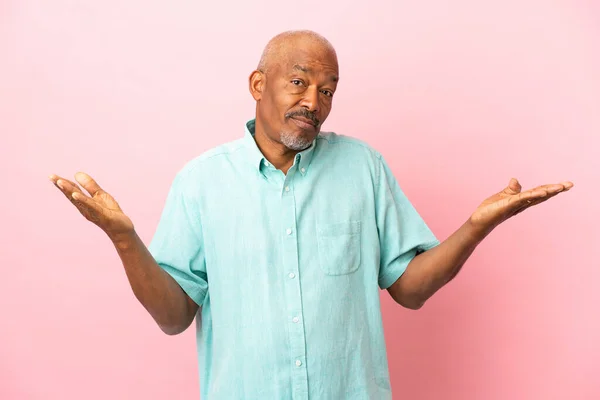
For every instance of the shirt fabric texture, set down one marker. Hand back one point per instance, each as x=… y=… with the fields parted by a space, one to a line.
x=288 y=269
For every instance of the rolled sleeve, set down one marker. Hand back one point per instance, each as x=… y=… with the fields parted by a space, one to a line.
x=402 y=232
x=177 y=245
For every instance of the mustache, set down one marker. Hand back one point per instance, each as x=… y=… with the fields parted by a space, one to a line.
x=304 y=113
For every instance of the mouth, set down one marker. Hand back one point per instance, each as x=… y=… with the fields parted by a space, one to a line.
x=304 y=123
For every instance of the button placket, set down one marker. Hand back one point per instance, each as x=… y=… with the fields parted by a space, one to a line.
x=293 y=294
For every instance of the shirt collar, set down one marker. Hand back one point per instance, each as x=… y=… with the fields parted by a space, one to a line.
x=259 y=161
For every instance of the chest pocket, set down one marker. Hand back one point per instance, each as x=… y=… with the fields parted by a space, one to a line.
x=339 y=247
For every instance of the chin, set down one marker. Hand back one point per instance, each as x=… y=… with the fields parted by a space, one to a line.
x=296 y=141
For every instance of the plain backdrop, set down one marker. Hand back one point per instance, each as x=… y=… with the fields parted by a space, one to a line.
x=459 y=96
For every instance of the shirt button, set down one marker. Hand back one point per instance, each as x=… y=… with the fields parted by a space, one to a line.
x=287 y=188
x=298 y=363
x=288 y=231
x=295 y=319
x=292 y=275
x=303 y=170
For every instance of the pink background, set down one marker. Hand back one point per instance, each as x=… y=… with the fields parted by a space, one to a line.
x=458 y=95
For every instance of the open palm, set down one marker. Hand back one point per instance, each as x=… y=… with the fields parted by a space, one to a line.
x=511 y=201
x=99 y=207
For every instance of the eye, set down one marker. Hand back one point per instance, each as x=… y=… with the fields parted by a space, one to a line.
x=296 y=82
x=327 y=93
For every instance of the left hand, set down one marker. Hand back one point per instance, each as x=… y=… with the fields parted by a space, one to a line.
x=511 y=201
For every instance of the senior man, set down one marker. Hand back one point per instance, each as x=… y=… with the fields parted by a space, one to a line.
x=278 y=243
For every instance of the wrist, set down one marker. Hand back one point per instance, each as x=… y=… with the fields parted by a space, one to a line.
x=123 y=240
x=477 y=231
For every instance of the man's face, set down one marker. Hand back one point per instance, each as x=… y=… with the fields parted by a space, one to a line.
x=297 y=96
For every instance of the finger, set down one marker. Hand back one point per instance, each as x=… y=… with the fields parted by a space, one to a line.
x=539 y=192
x=523 y=199
x=567 y=184
x=513 y=187
x=54 y=179
x=68 y=187
x=65 y=185
x=59 y=181
x=533 y=202
x=553 y=188
x=89 y=184
x=528 y=196
x=87 y=206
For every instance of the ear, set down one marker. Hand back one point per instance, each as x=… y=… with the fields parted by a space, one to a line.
x=257 y=83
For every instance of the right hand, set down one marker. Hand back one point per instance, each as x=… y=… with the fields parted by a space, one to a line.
x=99 y=207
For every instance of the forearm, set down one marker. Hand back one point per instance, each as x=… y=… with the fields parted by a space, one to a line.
x=431 y=270
x=158 y=292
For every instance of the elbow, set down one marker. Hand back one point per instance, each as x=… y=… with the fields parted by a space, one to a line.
x=411 y=302
x=172 y=329
x=408 y=297
x=413 y=305
x=175 y=324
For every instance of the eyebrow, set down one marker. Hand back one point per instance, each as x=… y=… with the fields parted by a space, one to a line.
x=302 y=68
x=307 y=70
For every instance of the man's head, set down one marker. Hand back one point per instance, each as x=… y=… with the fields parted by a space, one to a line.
x=293 y=86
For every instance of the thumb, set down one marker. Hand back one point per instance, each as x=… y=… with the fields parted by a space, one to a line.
x=514 y=187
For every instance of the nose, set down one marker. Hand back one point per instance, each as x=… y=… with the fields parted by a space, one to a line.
x=310 y=101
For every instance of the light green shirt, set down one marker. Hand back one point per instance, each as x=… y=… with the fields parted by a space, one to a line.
x=288 y=268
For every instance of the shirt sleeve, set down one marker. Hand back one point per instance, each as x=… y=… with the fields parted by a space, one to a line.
x=177 y=245
x=402 y=232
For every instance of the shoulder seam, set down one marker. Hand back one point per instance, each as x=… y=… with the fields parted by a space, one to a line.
x=351 y=141
x=202 y=158
x=220 y=153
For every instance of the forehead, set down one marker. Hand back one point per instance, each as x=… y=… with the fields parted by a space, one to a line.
x=313 y=60
x=310 y=62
